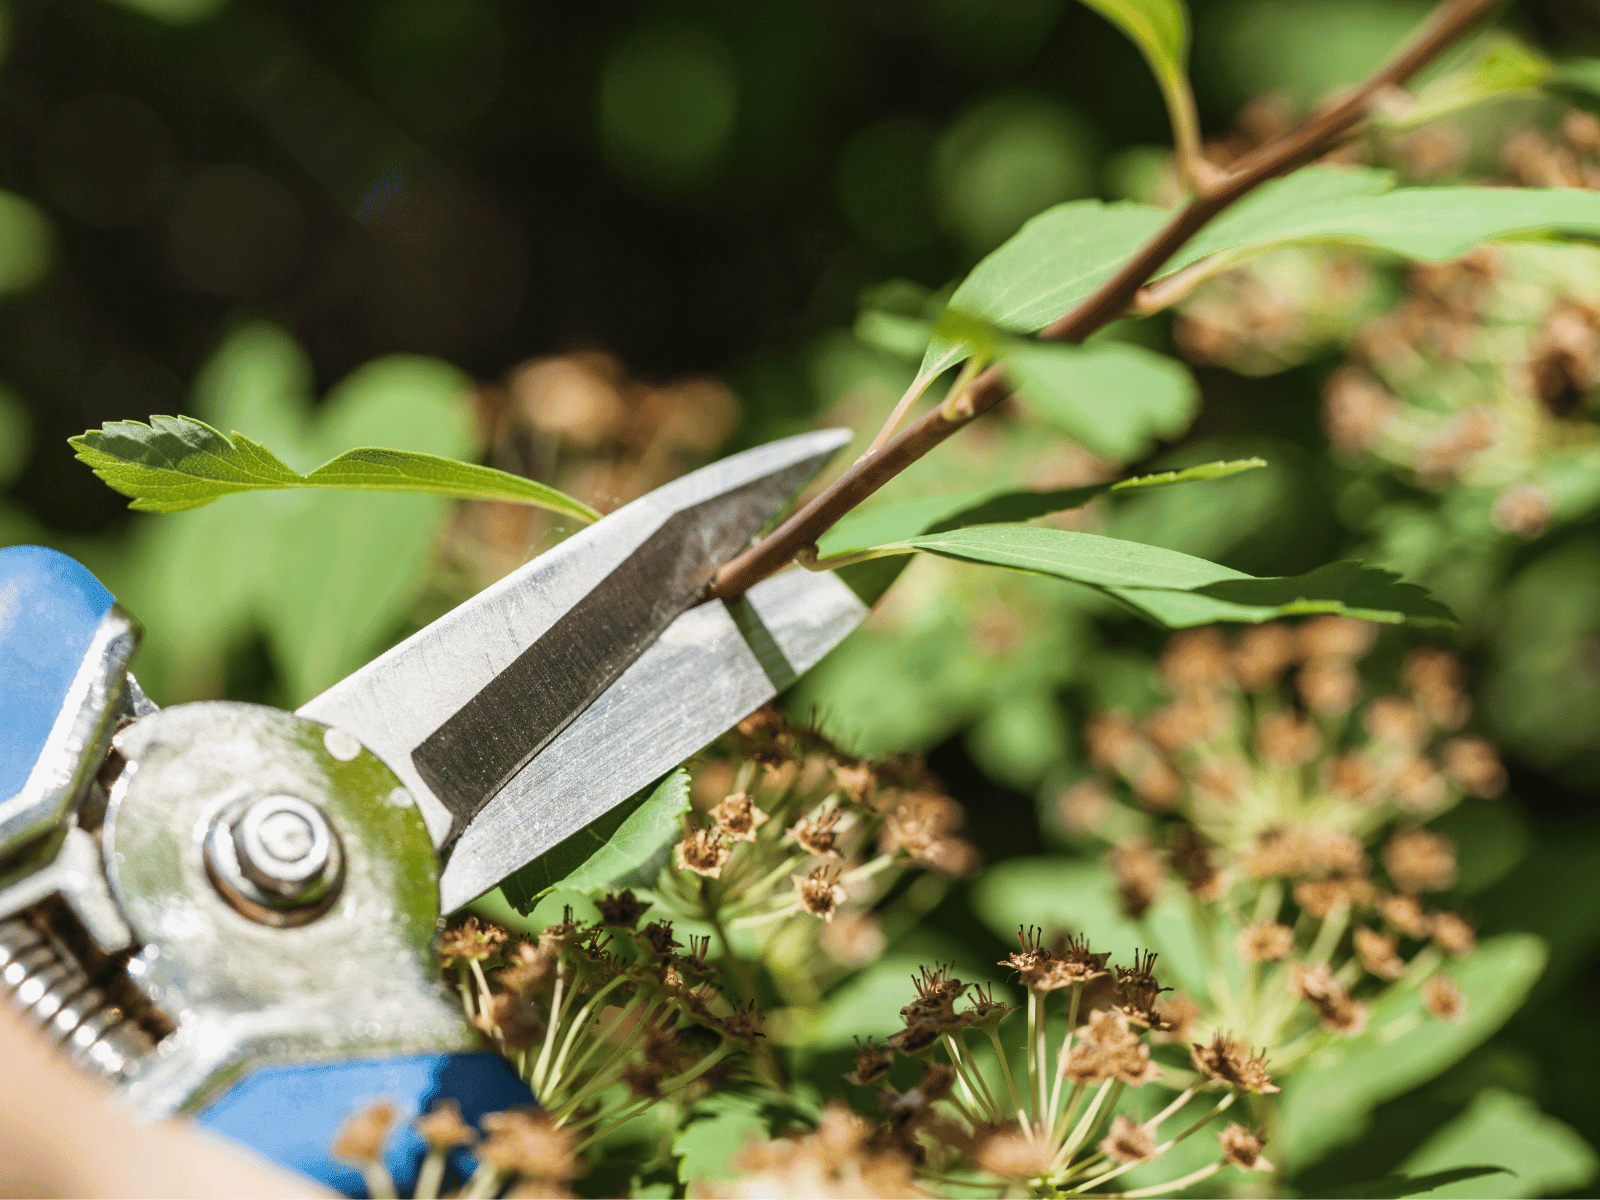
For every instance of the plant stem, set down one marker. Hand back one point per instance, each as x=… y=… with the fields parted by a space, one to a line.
x=431 y=1177
x=1171 y=1186
x=1326 y=127
x=1005 y=1068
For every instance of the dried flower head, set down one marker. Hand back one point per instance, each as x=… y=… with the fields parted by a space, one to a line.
x=816 y=834
x=1444 y=999
x=738 y=817
x=1405 y=914
x=1317 y=986
x=820 y=892
x=529 y=1144
x=621 y=910
x=1287 y=740
x=705 y=851
x=1015 y=1156
x=471 y=941
x=1139 y=871
x=1452 y=933
x=443 y=1128
x=872 y=1064
x=1377 y=952
x=1473 y=764
x=1231 y=1062
x=1263 y=654
x=1127 y=1142
x=1264 y=941
x=1328 y=686
x=1336 y=637
x=362 y=1136
x=1419 y=860
x=1242 y=1148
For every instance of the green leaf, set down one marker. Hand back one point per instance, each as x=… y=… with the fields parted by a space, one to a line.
x=1392 y=1187
x=719 y=1126
x=1180 y=590
x=606 y=849
x=1577 y=81
x=1111 y=398
x=1160 y=28
x=1325 y=1103
x=178 y=463
x=1545 y=1157
x=867 y=528
x=1500 y=68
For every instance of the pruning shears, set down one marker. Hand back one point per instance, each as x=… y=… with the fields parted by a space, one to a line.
x=229 y=910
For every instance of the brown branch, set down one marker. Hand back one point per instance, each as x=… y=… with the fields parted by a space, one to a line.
x=1320 y=132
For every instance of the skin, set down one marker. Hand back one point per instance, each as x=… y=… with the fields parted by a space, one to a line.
x=62 y=1133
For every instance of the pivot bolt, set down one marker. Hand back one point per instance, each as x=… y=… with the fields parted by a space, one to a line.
x=275 y=858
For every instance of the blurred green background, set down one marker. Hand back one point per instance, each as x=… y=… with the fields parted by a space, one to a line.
x=329 y=225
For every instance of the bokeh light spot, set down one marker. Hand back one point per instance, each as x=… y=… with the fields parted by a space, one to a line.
x=234 y=231
x=666 y=104
x=996 y=37
x=25 y=242
x=173 y=12
x=106 y=159
x=883 y=185
x=1006 y=160
x=16 y=436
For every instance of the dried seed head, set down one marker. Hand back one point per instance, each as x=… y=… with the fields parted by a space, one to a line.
x=1190 y=721
x=657 y=938
x=857 y=780
x=1473 y=763
x=853 y=938
x=1084 y=806
x=1127 y=1142
x=1139 y=871
x=1263 y=654
x=1444 y=999
x=1328 y=686
x=512 y=1019
x=621 y=910
x=443 y=1128
x=1337 y=637
x=820 y=892
x=1232 y=1063
x=1405 y=914
x=1178 y=1014
x=1318 y=988
x=872 y=1064
x=916 y=1038
x=1319 y=897
x=1264 y=941
x=743 y=1024
x=1013 y=1156
x=1419 y=860
x=704 y=852
x=1140 y=991
x=362 y=1136
x=1523 y=510
x=1395 y=721
x=1193 y=859
x=1351 y=777
x=1195 y=659
x=1436 y=683
x=937 y=992
x=1377 y=953
x=815 y=834
x=1452 y=933
x=1355 y=410
x=738 y=817
x=1419 y=788
x=1287 y=740
x=471 y=941
x=530 y=1144
x=1242 y=1148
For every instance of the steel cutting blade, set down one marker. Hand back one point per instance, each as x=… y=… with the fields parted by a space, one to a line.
x=460 y=710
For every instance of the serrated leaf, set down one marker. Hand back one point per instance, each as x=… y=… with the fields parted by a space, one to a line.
x=867 y=528
x=178 y=463
x=606 y=849
x=1323 y=1105
x=1541 y=1156
x=1180 y=590
x=1113 y=399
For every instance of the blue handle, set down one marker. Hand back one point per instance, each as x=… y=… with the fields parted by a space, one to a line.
x=292 y=1114
x=50 y=608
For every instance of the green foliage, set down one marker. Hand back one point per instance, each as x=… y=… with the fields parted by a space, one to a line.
x=1391 y=1187
x=867 y=528
x=607 y=849
x=1329 y=1101
x=1180 y=590
x=1577 y=81
x=178 y=463
x=1544 y=1156
x=1160 y=28
x=1115 y=400
x=1499 y=68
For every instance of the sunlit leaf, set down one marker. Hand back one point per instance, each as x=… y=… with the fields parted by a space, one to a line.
x=605 y=850
x=178 y=463
x=1577 y=81
x=1160 y=28
x=1541 y=1155
x=1393 y=1187
x=886 y=523
x=1113 y=399
x=1500 y=68
x=1326 y=1103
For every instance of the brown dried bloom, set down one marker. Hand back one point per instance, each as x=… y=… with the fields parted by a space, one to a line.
x=923 y=825
x=1017 y=1157
x=1232 y=1063
x=1444 y=999
x=1452 y=933
x=1193 y=859
x=530 y=1144
x=857 y=781
x=1110 y=1049
x=704 y=852
x=820 y=893
x=1139 y=871
x=1377 y=953
x=1319 y=897
x=512 y=1020
x=1355 y=410
x=738 y=817
x=1351 y=777
x=1178 y=1014
x=658 y=938
x=1419 y=788
x=1318 y=988
x=1473 y=764
x=1197 y=658
x=1127 y=1142
x=872 y=1064
x=1337 y=637
x=1083 y=806
x=834 y=1160
x=1404 y=913
x=1140 y=991
x=1523 y=510
x=1264 y=941
x=854 y=938
x=1242 y=1148
x=1328 y=686
x=1419 y=860
x=1391 y=719
x=1264 y=653
x=1287 y=740
x=472 y=940
x=621 y=910
x=815 y=834
x=443 y=1129
x=362 y=1135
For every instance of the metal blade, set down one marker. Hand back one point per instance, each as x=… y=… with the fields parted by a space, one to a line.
x=713 y=666
x=460 y=707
